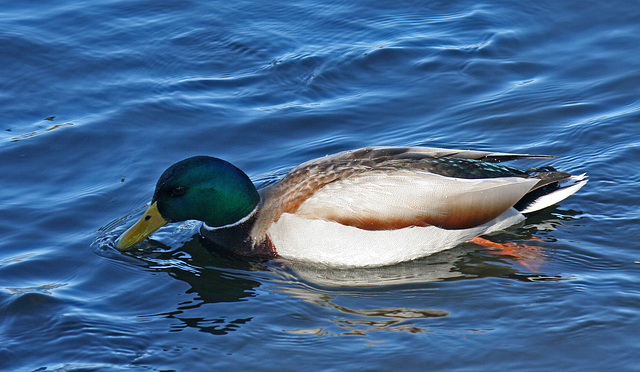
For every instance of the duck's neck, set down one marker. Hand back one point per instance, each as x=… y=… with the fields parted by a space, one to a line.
x=238 y=237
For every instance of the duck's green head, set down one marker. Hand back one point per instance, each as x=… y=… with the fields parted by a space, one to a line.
x=198 y=188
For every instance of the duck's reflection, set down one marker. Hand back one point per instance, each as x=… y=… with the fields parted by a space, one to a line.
x=211 y=278
x=438 y=267
x=360 y=322
x=216 y=277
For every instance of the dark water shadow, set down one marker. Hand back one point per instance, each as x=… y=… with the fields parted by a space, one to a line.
x=212 y=278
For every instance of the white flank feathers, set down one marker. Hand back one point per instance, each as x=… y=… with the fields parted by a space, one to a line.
x=335 y=245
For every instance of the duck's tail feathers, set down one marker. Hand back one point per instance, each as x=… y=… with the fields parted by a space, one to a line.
x=551 y=194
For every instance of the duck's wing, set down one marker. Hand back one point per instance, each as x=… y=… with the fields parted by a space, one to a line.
x=384 y=153
x=394 y=187
x=389 y=200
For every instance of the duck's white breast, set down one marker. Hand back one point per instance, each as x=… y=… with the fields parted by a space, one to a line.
x=336 y=245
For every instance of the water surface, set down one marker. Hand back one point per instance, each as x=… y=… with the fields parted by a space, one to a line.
x=98 y=98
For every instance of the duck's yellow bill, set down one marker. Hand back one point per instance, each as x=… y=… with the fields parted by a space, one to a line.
x=150 y=221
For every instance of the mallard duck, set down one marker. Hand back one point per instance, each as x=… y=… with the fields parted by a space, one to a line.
x=367 y=207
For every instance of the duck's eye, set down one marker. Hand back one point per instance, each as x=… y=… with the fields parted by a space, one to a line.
x=177 y=191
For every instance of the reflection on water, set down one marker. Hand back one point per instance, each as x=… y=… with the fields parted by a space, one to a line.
x=39 y=132
x=438 y=267
x=214 y=276
x=217 y=326
x=211 y=279
x=44 y=289
x=322 y=286
x=366 y=321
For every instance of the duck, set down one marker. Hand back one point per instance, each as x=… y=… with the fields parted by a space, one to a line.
x=367 y=207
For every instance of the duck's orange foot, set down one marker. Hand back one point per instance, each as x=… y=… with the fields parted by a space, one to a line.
x=529 y=256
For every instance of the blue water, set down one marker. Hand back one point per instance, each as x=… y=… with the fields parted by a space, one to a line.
x=98 y=98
